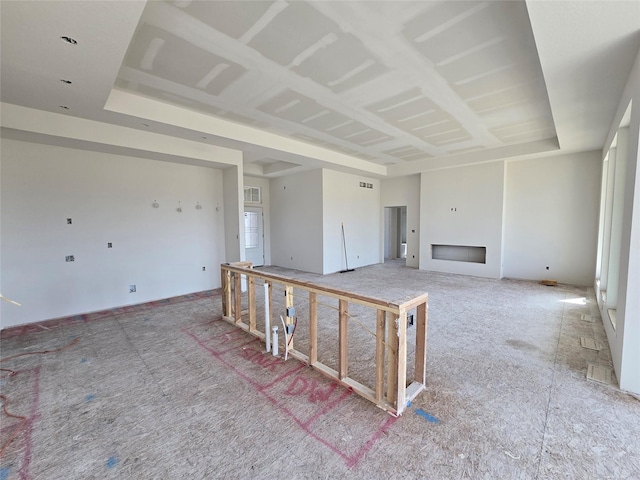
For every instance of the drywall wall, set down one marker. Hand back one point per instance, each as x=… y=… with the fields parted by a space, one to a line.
x=296 y=221
x=405 y=191
x=463 y=206
x=551 y=218
x=358 y=208
x=263 y=184
x=233 y=214
x=625 y=338
x=109 y=199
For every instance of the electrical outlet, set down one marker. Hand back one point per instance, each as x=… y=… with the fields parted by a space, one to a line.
x=69 y=221
x=69 y=258
x=547 y=267
x=204 y=269
x=291 y=312
x=410 y=320
x=132 y=289
x=109 y=245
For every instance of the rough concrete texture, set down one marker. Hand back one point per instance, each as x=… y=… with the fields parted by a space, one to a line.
x=168 y=390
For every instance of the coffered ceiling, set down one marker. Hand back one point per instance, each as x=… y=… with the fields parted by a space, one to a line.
x=388 y=82
x=385 y=87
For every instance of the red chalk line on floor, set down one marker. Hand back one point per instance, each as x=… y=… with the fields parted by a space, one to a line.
x=300 y=387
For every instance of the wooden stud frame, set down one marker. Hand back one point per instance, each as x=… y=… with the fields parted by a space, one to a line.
x=391 y=333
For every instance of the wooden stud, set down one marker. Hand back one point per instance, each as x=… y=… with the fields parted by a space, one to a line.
x=420 y=374
x=223 y=286
x=270 y=304
x=380 y=332
x=392 y=361
x=401 y=379
x=343 y=339
x=242 y=264
x=226 y=293
x=326 y=291
x=252 y=303
x=397 y=393
x=349 y=383
x=238 y=296
x=313 y=328
x=232 y=302
x=413 y=303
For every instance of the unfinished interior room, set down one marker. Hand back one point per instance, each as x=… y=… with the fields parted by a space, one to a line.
x=316 y=239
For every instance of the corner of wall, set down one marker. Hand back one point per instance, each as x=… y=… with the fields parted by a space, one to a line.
x=233 y=213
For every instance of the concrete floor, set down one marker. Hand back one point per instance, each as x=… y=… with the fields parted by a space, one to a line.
x=167 y=390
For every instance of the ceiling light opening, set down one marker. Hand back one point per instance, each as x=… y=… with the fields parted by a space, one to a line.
x=70 y=40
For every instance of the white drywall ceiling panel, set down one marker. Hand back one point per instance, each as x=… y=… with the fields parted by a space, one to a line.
x=475 y=61
x=586 y=51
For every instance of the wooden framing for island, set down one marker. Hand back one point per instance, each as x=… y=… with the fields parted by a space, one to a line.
x=391 y=333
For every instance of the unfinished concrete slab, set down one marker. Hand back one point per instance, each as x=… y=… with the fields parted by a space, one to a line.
x=169 y=390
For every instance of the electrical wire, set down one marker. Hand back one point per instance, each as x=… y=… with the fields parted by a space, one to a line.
x=294 y=331
x=286 y=343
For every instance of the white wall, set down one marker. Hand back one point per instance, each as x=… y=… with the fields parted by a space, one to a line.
x=625 y=338
x=344 y=201
x=551 y=218
x=263 y=183
x=405 y=191
x=109 y=199
x=476 y=194
x=296 y=221
x=233 y=194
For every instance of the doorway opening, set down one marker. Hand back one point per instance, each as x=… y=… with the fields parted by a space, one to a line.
x=395 y=233
x=254 y=236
